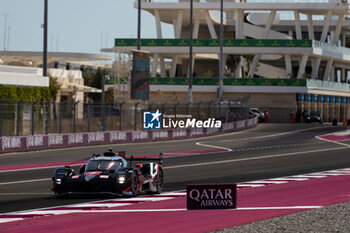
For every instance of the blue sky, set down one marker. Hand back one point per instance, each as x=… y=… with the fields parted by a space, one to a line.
x=74 y=25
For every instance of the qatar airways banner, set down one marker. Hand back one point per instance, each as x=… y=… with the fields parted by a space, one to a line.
x=211 y=196
x=52 y=141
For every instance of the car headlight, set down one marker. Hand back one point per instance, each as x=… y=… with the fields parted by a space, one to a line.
x=121 y=179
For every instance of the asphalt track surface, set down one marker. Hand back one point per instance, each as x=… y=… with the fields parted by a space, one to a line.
x=267 y=151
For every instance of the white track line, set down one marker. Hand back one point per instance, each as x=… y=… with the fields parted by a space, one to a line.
x=271 y=135
x=100 y=205
x=310 y=176
x=38 y=168
x=339 y=171
x=25 y=181
x=288 y=178
x=279 y=208
x=306 y=153
x=335 y=142
x=173 y=210
x=265 y=182
x=4 y=220
x=25 y=193
x=212 y=146
x=249 y=185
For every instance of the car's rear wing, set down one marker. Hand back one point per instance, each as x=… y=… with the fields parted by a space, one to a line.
x=132 y=158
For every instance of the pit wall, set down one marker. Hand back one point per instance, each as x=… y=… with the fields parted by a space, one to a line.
x=53 y=141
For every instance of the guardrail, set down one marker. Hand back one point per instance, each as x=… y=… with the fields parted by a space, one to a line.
x=52 y=141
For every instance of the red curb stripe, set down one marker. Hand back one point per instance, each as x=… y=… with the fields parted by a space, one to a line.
x=335 y=137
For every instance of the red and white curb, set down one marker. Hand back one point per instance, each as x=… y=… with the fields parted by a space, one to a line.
x=336 y=137
x=112 y=205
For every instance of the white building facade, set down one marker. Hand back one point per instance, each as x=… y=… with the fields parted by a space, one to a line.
x=263 y=40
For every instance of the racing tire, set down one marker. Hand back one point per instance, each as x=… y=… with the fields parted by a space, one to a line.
x=133 y=185
x=160 y=181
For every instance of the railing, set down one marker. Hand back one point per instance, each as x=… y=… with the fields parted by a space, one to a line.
x=326 y=85
x=122 y=42
x=252 y=1
x=20 y=118
x=330 y=47
x=229 y=81
x=125 y=42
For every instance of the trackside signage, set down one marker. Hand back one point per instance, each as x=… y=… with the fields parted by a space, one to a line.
x=211 y=196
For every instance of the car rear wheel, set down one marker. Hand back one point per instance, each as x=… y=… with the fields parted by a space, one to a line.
x=159 y=180
x=133 y=185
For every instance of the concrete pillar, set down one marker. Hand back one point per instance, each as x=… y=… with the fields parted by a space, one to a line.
x=288 y=64
x=338 y=29
x=297 y=25
x=155 y=65
x=334 y=41
x=320 y=109
x=337 y=113
x=173 y=67
x=322 y=39
x=328 y=70
x=302 y=66
x=158 y=24
x=310 y=27
x=265 y=35
x=331 y=36
x=178 y=27
x=210 y=26
x=326 y=27
x=239 y=24
x=196 y=28
x=162 y=66
x=325 y=112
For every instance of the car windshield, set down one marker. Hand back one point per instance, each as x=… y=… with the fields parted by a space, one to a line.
x=103 y=165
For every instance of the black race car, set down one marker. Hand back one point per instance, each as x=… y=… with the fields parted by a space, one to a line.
x=111 y=173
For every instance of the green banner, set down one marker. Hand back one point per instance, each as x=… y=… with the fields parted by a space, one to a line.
x=213 y=43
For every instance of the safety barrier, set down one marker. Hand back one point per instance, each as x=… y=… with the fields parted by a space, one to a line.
x=52 y=141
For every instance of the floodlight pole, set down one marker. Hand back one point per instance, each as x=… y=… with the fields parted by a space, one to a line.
x=103 y=103
x=139 y=25
x=221 y=67
x=5 y=28
x=45 y=39
x=190 y=97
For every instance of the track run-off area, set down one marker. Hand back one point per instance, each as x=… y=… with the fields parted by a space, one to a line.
x=279 y=169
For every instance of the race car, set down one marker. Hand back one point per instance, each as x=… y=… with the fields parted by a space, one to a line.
x=110 y=173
